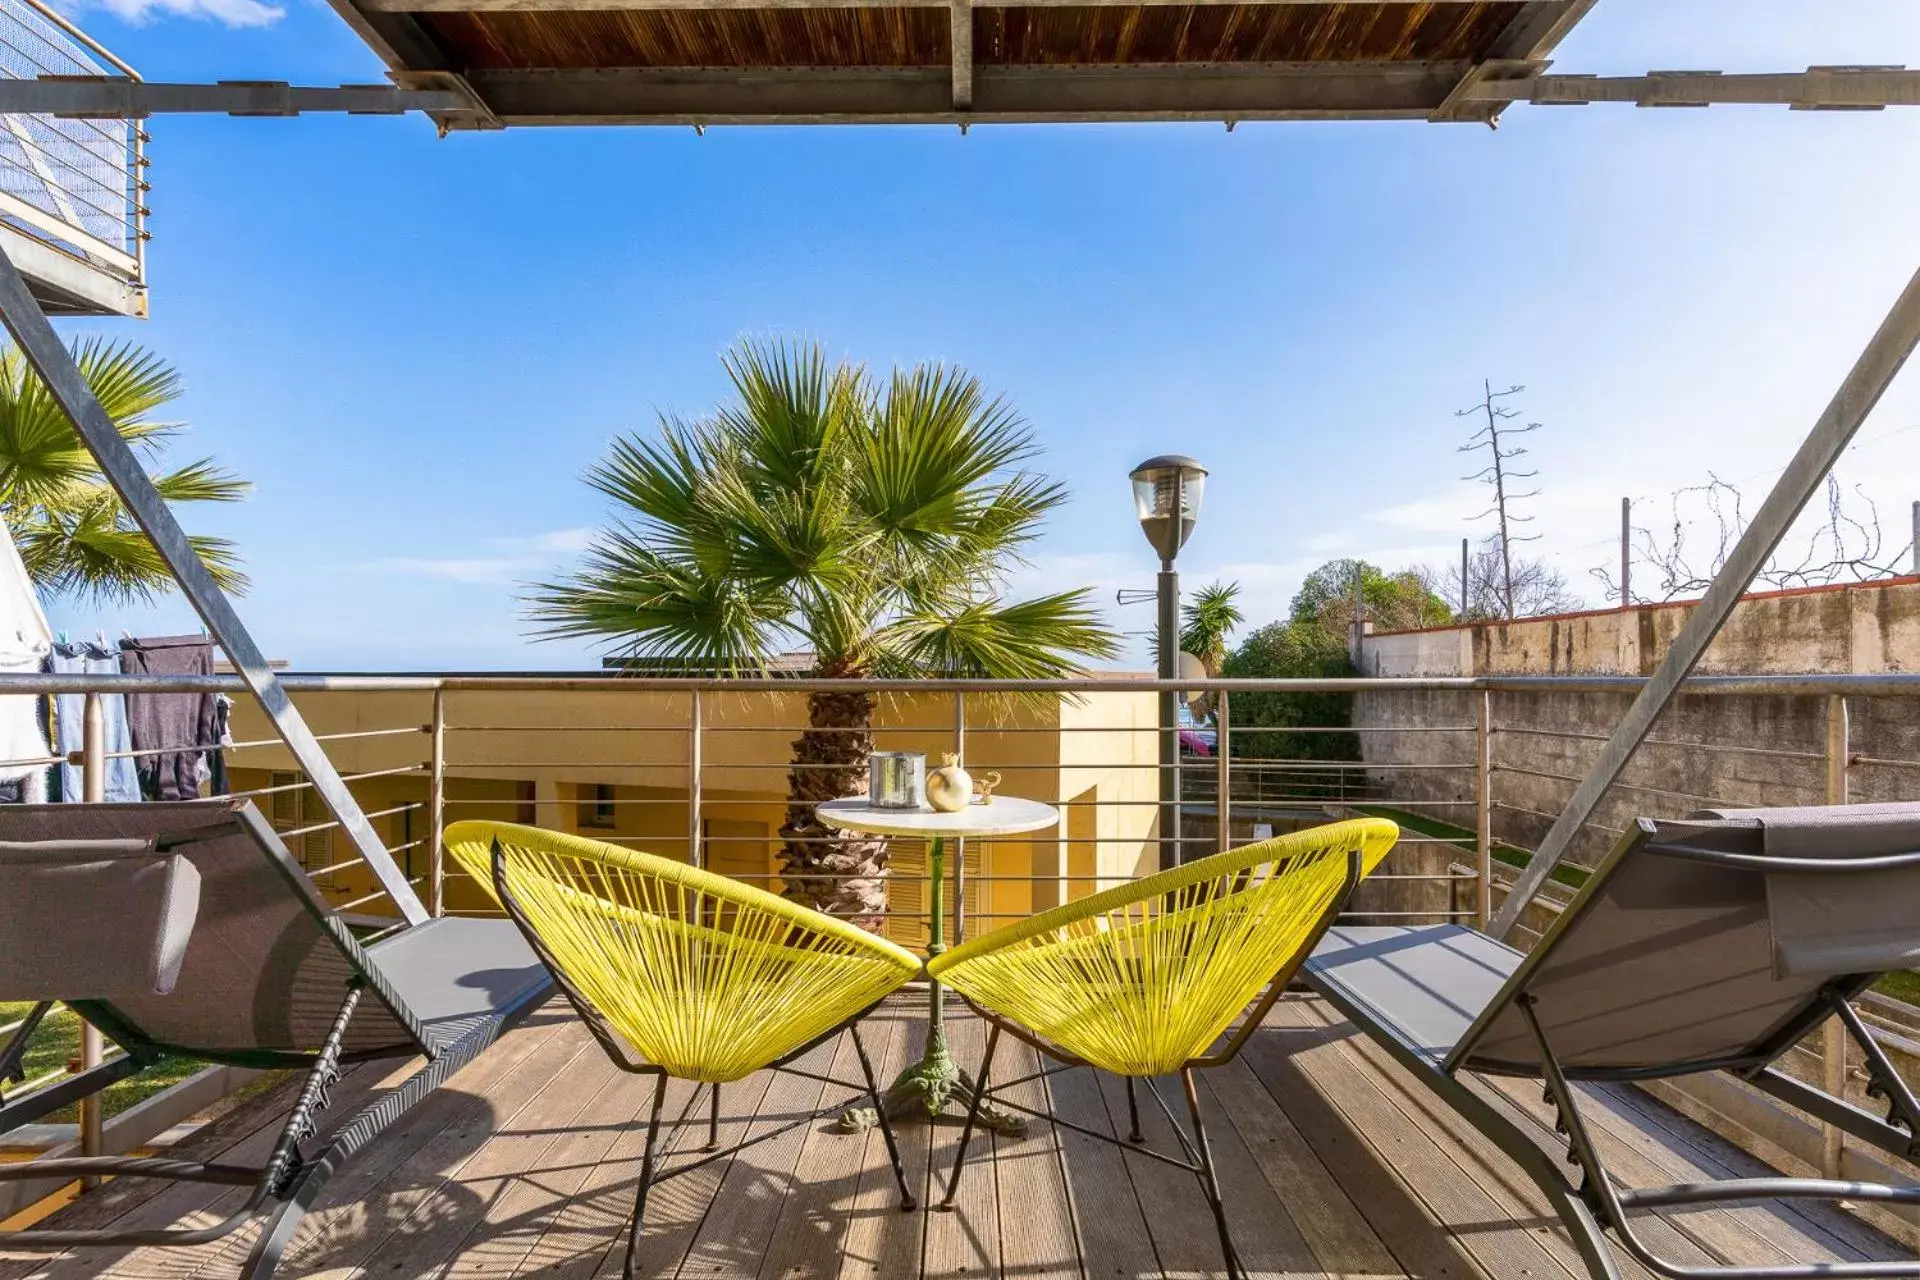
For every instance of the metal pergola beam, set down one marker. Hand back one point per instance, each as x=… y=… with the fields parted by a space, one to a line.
x=54 y=363
x=1815 y=89
x=963 y=92
x=1888 y=350
x=115 y=98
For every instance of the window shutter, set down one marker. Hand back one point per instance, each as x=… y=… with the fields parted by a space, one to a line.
x=907 y=893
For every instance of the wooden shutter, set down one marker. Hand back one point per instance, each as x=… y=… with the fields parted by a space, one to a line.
x=907 y=893
x=294 y=807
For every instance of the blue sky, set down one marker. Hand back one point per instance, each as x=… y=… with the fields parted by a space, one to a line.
x=414 y=346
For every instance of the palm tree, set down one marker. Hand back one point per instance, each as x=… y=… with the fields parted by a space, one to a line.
x=73 y=533
x=871 y=522
x=1205 y=623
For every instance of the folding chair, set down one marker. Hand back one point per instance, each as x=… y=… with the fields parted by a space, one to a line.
x=188 y=929
x=1713 y=944
x=681 y=973
x=1146 y=979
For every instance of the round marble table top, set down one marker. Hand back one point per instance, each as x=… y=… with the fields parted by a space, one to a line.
x=1000 y=816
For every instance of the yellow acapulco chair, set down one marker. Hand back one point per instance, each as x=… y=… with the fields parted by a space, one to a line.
x=1146 y=979
x=704 y=978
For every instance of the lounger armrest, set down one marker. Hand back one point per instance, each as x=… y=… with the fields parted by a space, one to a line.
x=93 y=919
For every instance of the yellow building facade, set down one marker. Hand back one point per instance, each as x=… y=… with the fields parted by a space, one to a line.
x=614 y=760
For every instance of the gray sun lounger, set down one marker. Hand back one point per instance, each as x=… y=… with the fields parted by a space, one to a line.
x=188 y=929
x=1713 y=944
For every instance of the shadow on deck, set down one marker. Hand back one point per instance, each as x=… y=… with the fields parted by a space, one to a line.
x=1334 y=1163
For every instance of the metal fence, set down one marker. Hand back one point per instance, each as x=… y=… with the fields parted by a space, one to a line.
x=76 y=184
x=702 y=768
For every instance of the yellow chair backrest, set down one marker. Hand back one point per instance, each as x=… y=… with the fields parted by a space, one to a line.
x=1142 y=978
x=708 y=978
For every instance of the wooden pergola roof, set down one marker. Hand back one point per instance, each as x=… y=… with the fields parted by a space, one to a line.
x=820 y=61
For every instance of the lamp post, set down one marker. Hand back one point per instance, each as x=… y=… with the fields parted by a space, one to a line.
x=1166 y=498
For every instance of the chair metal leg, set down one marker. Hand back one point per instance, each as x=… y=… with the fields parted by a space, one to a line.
x=973 y=1117
x=646 y=1180
x=713 y=1120
x=1209 y=1181
x=1133 y=1113
x=907 y=1201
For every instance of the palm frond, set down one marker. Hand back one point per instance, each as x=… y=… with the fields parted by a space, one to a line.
x=1046 y=637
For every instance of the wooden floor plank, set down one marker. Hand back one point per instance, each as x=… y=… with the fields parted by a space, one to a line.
x=1480 y=1160
x=1344 y=1246
x=1294 y=1061
x=1185 y=1240
x=1265 y=1229
x=677 y=1207
x=806 y=1235
x=1114 y=1240
x=591 y=1228
x=882 y=1242
x=1037 y=1233
x=964 y=1241
x=429 y=1240
x=394 y=1205
x=733 y=1239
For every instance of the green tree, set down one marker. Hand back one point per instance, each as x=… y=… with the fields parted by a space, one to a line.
x=1399 y=601
x=872 y=521
x=73 y=533
x=1206 y=621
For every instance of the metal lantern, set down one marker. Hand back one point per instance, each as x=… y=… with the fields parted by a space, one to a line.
x=897 y=779
x=1166 y=499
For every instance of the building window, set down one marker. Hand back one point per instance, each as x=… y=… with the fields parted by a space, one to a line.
x=596 y=805
x=526 y=808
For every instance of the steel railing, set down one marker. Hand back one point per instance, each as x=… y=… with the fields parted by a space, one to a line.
x=1464 y=771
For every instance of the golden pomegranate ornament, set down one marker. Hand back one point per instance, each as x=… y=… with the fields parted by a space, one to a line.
x=949 y=788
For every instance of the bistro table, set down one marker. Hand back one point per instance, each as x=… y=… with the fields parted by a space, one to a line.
x=936 y=1082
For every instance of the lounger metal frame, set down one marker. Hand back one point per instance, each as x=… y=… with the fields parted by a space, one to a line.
x=1196 y=1153
x=286 y=1186
x=1597 y=1202
x=618 y=1054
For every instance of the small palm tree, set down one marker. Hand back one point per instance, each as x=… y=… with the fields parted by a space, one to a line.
x=73 y=533
x=872 y=522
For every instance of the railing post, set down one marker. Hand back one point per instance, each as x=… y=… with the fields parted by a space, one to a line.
x=437 y=806
x=696 y=856
x=1833 y=1040
x=1483 y=808
x=959 y=845
x=1223 y=788
x=93 y=787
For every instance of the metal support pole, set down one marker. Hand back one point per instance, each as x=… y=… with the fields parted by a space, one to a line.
x=437 y=806
x=1916 y=537
x=1466 y=588
x=1483 y=807
x=1626 y=552
x=124 y=471
x=1169 y=634
x=93 y=787
x=1883 y=357
x=696 y=855
x=1833 y=1034
x=1223 y=785
x=959 y=845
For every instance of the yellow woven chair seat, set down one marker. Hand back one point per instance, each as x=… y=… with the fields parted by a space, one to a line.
x=708 y=978
x=1140 y=979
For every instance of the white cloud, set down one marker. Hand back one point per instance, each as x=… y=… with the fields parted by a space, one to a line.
x=519 y=558
x=231 y=13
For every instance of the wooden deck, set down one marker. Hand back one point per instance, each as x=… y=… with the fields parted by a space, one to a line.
x=1335 y=1164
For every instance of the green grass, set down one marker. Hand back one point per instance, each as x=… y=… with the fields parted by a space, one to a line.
x=1573 y=877
x=57 y=1042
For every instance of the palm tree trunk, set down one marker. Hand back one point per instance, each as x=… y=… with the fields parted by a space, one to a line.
x=840 y=874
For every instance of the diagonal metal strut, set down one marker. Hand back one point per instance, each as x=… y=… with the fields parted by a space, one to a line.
x=1885 y=353
x=54 y=363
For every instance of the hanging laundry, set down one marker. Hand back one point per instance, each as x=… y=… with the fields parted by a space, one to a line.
x=94 y=658
x=25 y=641
x=178 y=725
x=223 y=734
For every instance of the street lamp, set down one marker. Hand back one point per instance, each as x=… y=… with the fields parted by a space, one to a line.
x=1166 y=499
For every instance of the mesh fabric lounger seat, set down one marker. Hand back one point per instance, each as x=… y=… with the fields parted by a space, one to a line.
x=678 y=972
x=187 y=928
x=1713 y=944
x=1146 y=979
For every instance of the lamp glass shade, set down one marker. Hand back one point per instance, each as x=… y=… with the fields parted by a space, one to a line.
x=1166 y=500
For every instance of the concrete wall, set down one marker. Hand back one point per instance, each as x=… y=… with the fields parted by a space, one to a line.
x=1705 y=751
